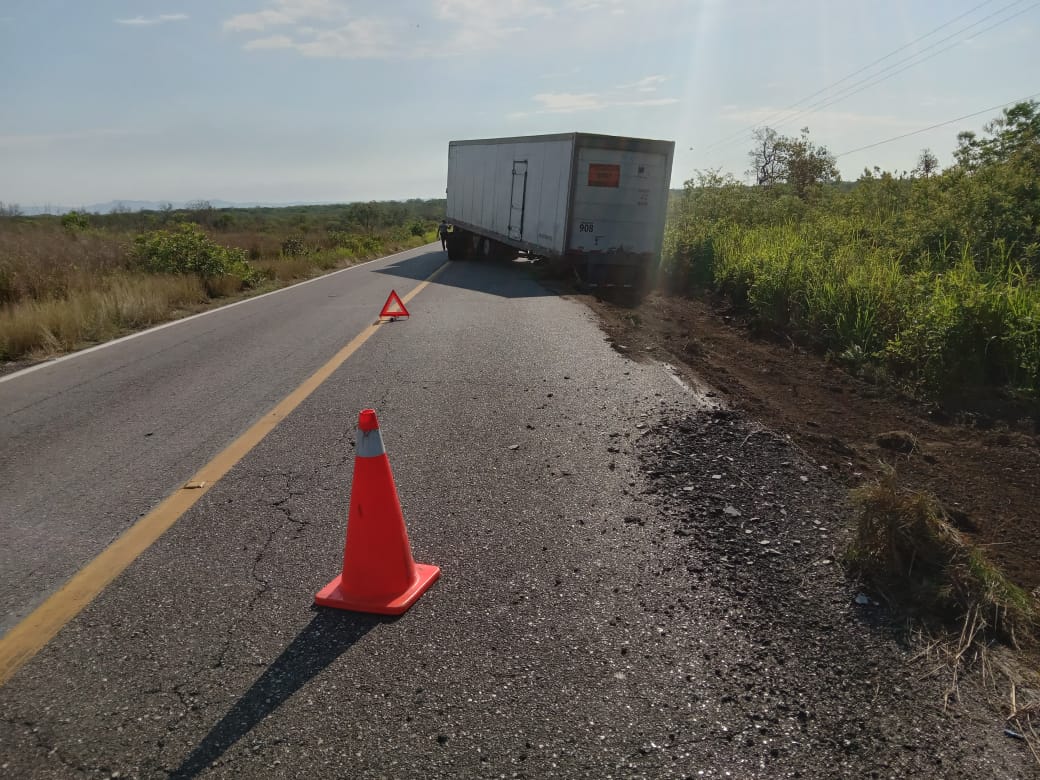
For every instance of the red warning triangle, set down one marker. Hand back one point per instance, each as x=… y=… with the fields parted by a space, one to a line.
x=394 y=307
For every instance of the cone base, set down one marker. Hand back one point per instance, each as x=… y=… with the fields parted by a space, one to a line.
x=332 y=595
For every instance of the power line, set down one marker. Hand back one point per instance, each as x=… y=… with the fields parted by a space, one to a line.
x=870 y=81
x=850 y=75
x=727 y=140
x=890 y=54
x=940 y=124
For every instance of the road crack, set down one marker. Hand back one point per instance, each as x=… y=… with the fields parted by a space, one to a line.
x=289 y=519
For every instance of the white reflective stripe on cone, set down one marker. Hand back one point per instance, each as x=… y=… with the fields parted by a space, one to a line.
x=370 y=444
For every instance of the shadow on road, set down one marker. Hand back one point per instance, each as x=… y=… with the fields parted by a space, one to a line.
x=504 y=279
x=329 y=634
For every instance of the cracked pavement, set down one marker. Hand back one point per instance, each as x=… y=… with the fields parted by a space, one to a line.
x=573 y=633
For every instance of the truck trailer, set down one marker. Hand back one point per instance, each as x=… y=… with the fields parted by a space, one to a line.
x=594 y=203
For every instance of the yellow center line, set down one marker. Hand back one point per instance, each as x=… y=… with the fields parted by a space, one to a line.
x=27 y=638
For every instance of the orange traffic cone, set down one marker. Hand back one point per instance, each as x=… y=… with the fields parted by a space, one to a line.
x=379 y=573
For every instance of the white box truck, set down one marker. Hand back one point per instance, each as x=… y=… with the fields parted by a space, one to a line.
x=596 y=203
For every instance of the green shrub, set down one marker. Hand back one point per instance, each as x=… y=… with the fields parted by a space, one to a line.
x=75 y=221
x=188 y=250
x=293 y=246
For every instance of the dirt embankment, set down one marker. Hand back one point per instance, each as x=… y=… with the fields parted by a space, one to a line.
x=988 y=479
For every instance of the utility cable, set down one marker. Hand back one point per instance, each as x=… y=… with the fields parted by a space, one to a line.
x=829 y=101
x=940 y=124
x=892 y=53
x=835 y=98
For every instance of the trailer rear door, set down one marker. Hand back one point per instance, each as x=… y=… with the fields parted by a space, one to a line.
x=620 y=198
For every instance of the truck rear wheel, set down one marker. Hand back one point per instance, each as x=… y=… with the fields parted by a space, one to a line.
x=502 y=253
x=457 y=244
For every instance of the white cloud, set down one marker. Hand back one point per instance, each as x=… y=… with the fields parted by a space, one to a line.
x=271 y=42
x=146 y=21
x=646 y=84
x=324 y=28
x=444 y=28
x=287 y=12
x=568 y=102
x=362 y=38
x=478 y=24
x=258 y=21
x=632 y=94
x=358 y=39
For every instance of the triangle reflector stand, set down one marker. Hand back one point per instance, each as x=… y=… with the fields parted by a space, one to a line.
x=393 y=308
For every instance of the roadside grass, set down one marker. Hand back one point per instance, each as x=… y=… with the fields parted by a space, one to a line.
x=948 y=325
x=926 y=281
x=42 y=262
x=62 y=289
x=931 y=280
x=109 y=307
x=285 y=270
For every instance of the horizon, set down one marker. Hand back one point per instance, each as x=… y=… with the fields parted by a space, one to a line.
x=328 y=101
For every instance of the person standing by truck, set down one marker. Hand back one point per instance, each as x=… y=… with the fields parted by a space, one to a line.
x=442 y=231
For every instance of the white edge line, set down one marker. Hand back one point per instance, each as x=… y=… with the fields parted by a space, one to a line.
x=215 y=310
x=680 y=382
x=673 y=372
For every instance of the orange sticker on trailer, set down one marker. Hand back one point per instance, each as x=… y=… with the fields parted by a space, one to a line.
x=603 y=175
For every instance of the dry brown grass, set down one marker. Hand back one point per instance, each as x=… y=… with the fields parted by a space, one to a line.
x=258 y=245
x=907 y=551
x=286 y=270
x=965 y=614
x=1023 y=721
x=113 y=305
x=224 y=285
x=41 y=262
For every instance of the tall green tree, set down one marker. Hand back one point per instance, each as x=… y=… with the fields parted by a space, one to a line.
x=793 y=160
x=1013 y=135
x=808 y=164
x=996 y=183
x=768 y=163
x=927 y=164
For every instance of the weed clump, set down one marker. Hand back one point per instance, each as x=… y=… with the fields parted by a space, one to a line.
x=907 y=550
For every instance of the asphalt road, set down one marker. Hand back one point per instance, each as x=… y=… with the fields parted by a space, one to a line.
x=573 y=632
x=93 y=442
x=207 y=648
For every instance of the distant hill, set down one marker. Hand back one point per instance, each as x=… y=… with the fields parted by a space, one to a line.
x=114 y=206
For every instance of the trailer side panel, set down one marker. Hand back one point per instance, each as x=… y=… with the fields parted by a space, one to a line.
x=515 y=190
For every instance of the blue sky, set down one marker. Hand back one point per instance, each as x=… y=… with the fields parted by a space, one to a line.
x=339 y=100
